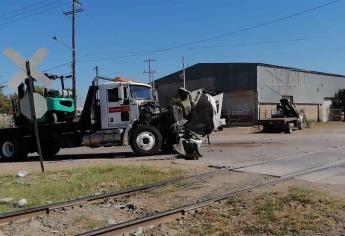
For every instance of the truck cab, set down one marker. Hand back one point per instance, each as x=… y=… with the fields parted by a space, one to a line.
x=120 y=102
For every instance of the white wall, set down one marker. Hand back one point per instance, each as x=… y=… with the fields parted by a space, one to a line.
x=306 y=88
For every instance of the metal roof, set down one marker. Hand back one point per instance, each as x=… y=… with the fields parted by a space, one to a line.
x=259 y=64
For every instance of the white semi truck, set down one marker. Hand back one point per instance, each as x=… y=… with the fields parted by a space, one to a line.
x=116 y=113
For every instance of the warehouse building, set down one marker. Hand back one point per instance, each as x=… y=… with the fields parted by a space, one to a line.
x=252 y=90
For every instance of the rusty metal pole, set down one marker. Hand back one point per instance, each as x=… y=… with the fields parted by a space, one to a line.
x=33 y=112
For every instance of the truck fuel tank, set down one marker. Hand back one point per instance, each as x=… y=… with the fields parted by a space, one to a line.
x=103 y=138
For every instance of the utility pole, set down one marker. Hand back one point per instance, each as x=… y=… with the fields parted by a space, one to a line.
x=97 y=71
x=184 y=73
x=150 y=72
x=97 y=75
x=73 y=13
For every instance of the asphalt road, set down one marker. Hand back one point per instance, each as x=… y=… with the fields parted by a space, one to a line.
x=280 y=154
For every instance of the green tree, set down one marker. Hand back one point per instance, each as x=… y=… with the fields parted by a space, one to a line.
x=39 y=89
x=338 y=102
x=5 y=103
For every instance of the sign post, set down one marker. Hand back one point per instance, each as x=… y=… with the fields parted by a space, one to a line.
x=28 y=73
x=33 y=112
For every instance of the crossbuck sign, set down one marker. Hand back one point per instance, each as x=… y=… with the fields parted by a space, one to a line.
x=21 y=75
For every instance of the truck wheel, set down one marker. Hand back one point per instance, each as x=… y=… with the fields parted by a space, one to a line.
x=146 y=140
x=49 y=150
x=301 y=125
x=12 y=150
x=52 y=118
x=288 y=128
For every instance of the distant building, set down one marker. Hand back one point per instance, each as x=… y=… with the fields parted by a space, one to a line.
x=252 y=90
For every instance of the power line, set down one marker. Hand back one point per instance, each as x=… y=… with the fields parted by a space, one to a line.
x=252 y=27
x=45 y=9
x=56 y=67
x=150 y=72
x=22 y=8
x=318 y=50
x=224 y=46
x=219 y=57
x=269 y=42
x=249 y=28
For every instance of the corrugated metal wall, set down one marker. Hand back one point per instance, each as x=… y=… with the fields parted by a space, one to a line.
x=305 y=87
x=239 y=106
x=246 y=85
x=215 y=77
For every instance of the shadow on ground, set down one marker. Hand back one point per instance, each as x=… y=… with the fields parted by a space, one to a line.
x=110 y=155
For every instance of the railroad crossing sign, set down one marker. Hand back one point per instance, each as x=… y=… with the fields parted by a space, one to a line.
x=32 y=105
x=21 y=75
x=40 y=104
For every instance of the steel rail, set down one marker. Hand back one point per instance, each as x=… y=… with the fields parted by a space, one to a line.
x=128 y=226
x=46 y=209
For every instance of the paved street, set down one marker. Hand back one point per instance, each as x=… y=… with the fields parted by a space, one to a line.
x=279 y=154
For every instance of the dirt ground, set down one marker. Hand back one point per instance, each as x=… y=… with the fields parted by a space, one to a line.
x=288 y=209
x=70 y=221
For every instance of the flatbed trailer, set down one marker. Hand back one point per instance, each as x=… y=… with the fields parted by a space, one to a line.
x=18 y=141
x=284 y=120
x=282 y=124
x=21 y=140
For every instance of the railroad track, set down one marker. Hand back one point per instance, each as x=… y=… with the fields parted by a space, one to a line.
x=154 y=218
x=169 y=215
x=46 y=209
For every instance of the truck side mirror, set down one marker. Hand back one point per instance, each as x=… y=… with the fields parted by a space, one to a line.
x=155 y=95
x=125 y=101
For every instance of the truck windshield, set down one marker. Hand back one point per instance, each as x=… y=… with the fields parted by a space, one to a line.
x=141 y=92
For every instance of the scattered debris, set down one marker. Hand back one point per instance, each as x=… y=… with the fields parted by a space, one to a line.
x=22 y=202
x=130 y=207
x=6 y=200
x=138 y=232
x=22 y=173
x=111 y=221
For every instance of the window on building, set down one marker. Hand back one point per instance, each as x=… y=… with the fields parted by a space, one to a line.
x=290 y=98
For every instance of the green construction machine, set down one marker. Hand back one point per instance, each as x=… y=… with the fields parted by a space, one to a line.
x=58 y=105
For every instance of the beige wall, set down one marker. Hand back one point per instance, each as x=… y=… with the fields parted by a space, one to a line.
x=311 y=110
x=265 y=110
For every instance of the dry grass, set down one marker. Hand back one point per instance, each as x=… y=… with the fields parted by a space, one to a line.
x=65 y=185
x=300 y=211
x=316 y=125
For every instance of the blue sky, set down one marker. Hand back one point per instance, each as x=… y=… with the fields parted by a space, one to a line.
x=110 y=30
